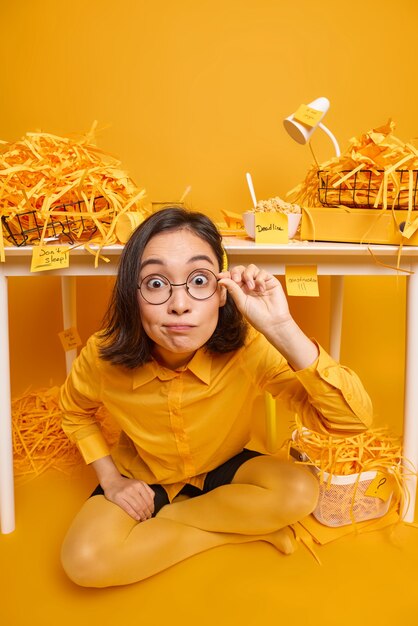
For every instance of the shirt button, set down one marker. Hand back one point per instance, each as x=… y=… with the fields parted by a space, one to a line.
x=348 y=396
x=326 y=373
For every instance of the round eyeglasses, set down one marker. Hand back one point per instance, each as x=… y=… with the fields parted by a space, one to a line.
x=200 y=284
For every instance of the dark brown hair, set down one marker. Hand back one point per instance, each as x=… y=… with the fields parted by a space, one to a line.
x=124 y=339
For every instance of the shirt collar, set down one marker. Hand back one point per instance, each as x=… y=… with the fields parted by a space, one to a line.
x=200 y=365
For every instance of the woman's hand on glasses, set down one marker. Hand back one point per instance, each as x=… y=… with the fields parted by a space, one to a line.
x=258 y=295
x=261 y=299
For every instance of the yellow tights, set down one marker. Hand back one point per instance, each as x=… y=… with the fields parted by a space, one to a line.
x=106 y=547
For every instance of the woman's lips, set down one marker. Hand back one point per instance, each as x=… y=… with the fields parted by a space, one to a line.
x=179 y=327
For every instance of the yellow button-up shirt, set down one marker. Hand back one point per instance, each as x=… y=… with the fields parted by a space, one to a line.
x=178 y=425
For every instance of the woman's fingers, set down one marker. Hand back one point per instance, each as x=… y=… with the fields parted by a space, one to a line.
x=252 y=277
x=133 y=511
x=136 y=498
x=143 y=497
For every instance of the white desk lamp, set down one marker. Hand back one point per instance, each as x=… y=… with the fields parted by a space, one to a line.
x=312 y=114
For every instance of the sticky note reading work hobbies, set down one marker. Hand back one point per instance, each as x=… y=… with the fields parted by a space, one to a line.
x=271 y=227
x=49 y=258
x=302 y=280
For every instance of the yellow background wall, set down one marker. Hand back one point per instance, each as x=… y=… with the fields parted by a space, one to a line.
x=193 y=93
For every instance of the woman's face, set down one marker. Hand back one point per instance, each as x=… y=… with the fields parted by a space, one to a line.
x=181 y=325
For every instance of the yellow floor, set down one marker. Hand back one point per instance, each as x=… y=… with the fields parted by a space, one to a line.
x=364 y=580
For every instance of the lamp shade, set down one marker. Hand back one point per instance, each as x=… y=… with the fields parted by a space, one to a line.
x=313 y=114
x=299 y=132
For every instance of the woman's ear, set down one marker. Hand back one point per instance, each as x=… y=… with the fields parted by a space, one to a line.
x=222 y=295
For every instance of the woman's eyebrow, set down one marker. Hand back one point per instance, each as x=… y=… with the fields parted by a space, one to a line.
x=150 y=262
x=200 y=257
x=193 y=259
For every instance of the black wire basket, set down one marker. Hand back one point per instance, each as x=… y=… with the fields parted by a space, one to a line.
x=361 y=190
x=74 y=225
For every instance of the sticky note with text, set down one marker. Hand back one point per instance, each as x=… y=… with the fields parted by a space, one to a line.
x=70 y=339
x=380 y=487
x=49 y=258
x=271 y=227
x=308 y=116
x=302 y=280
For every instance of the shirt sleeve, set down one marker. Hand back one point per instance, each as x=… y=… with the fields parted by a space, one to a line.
x=326 y=396
x=80 y=397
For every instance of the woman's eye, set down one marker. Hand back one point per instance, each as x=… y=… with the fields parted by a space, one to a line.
x=156 y=283
x=199 y=280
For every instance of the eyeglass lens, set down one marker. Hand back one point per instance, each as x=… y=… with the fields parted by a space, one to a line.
x=200 y=284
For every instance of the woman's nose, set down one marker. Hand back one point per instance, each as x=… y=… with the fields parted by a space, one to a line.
x=180 y=301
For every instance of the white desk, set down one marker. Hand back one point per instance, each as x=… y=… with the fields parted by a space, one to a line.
x=332 y=259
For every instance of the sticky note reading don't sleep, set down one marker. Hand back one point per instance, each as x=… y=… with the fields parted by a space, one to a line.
x=49 y=258
x=302 y=280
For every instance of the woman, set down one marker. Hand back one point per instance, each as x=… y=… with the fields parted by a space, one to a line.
x=187 y=348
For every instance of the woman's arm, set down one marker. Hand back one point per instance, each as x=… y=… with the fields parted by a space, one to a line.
x=261 y=299
x=326 y=395
x=79 y=400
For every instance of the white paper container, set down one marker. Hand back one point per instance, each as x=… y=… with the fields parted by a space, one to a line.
x=293 y=221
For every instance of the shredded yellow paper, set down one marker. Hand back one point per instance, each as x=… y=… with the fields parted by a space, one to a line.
x=334 y=456
x=377 y=170
x=39 y=443
x=276 y=204
x=63 y=189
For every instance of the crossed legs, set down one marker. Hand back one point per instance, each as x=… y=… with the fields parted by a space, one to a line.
x=105 y=547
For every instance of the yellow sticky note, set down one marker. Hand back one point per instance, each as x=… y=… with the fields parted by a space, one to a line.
x=302 y=280
x=70 y=339
x=308 y=116
x=410 y=229
x=380 y=487
x=271 y=227
x=49 y=258
x=233 y=220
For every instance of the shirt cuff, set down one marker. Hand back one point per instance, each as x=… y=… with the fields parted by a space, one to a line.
x=319 y=367
x=93 y=447
x=325 y=374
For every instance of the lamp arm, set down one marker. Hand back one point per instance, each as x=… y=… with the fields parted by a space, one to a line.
x=331 y=136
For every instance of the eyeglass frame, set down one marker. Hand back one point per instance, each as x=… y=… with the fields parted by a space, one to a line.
x=179 y=285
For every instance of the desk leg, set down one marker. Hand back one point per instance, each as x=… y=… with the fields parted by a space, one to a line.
x=337 y=294
x=69 y=313
x=410 y=434
x=7 y=505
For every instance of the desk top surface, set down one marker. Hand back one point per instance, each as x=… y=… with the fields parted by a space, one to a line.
x=339 y=259
x=248 y=246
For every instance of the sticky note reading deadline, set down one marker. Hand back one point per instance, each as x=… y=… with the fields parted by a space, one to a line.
x=302 y=280
x=70 y=339
x=49 y=258
x=308 y=116
x=271 y=227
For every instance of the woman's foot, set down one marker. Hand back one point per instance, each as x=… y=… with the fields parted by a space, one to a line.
x=283 y=540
